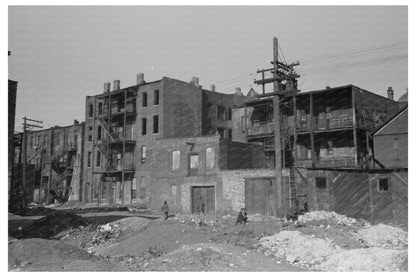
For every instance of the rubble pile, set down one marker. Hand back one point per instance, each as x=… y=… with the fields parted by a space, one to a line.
x=298 y=249
x=106 y=233
x=327 y=216
x=366 y=259
x=384 y=236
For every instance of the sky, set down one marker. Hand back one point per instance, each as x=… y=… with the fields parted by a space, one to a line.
x=61 y=54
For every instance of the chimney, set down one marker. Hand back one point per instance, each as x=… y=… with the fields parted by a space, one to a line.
x=107 y=87
x=76 y=122
x=328 y=87
x=390 y=93
x=116 y=85
x=238 y=91
x=140 y=78
x=195 y=81
x=212 y=87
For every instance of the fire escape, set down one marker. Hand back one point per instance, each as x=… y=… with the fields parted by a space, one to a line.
x=62 y=163
x=116 y=114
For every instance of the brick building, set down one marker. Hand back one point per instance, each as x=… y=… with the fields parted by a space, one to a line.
x=56 y=156
x=122 y=124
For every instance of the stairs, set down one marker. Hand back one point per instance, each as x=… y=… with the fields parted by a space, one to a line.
x=112 y=134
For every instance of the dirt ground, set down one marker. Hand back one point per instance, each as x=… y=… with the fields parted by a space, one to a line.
x=90 y=238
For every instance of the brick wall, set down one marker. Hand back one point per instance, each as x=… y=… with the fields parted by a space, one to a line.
x=233 y=186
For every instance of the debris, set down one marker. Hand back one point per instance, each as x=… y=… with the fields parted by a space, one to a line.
x=384 y=236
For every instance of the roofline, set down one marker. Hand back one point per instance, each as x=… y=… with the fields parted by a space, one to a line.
x=389 y=121
x=126 y=88
x=55 y=127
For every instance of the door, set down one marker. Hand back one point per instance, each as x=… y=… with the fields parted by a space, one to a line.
x=208 y=197
x=260 y=196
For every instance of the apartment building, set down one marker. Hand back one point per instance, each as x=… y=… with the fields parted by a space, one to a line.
x=122 y=124
x=323 y=128
x=55 y=154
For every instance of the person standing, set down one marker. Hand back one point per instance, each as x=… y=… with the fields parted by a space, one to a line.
x=165 y=210
x=200 y=206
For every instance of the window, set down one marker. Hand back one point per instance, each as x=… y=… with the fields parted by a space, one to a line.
x=221 y=112
x=134 y=188
x=176 y=155
x=230 y=133
x=100 y=108
x=99 y=131
x=383 y=184
x=144 y=99
x=98 y=159
x=174 y=194
x=90 y=110
x=209 y=158
x=243 y=123
x=320 y=182
x=230 y=114
x=144 y=126
x=90 y=133
x=89 y=159
x=142 y=192
x=155 y=124
x=143 y=153
x=103 y=192
x=156 y=97
x=193 y=164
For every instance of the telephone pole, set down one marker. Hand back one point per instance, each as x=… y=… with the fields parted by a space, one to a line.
x=26 y=125
x=284 y=85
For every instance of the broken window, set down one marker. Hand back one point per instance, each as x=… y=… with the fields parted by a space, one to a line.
x=383 y=184
x=134 y=188
x=320 y=182
x=144 y=99
x=155 y=124
x=144 y=126
x=156 y=97
x=209 y=158
x=176 y=154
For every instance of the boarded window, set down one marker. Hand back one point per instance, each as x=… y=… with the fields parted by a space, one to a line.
x=174 y=194
x=89 y=159
x=142 y=189
x=320 y=182
x=193 y=164
x=383 y=184
x=156 y=97
x=143 y=153
x=155 y=124
x=144 y=126
x=209 y=157
x=176 y=155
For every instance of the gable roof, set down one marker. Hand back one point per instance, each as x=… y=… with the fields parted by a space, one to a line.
x=390 y=122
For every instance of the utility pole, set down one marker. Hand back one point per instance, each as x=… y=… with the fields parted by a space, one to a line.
x=26 y=125
x=281 y=72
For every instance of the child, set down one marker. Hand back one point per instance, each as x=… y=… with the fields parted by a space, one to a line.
x=242 y=217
